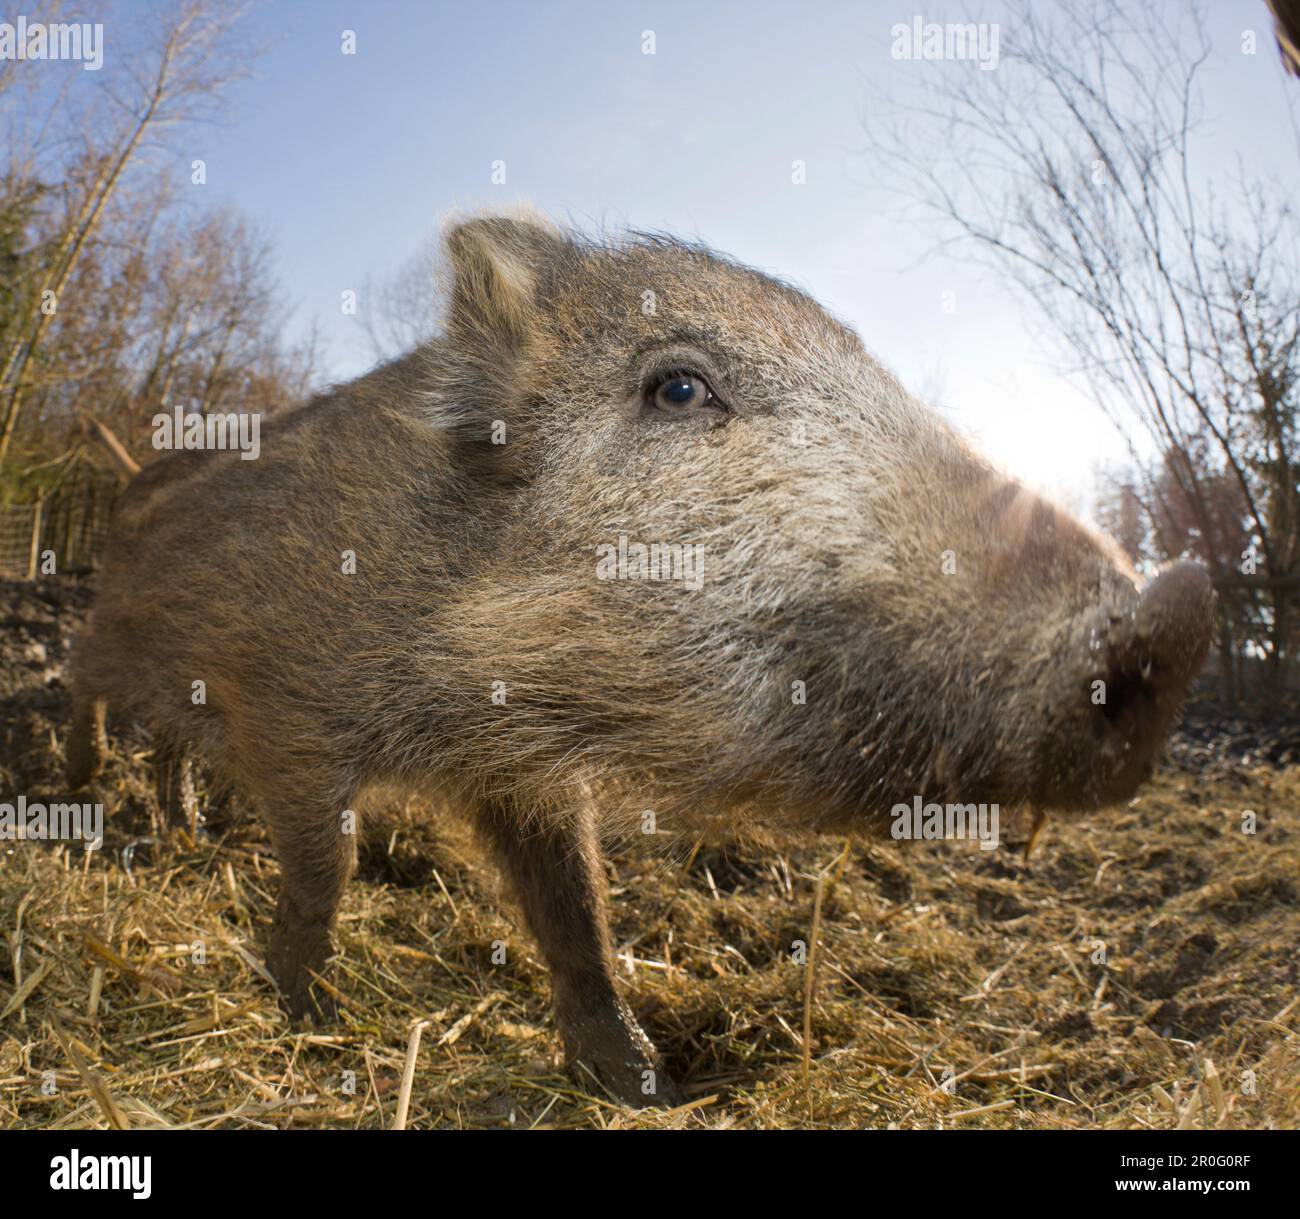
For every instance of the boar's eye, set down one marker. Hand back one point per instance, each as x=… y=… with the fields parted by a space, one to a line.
x=682 y=390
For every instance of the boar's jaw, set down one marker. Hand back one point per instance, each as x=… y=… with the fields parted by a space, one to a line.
x=1133 y=662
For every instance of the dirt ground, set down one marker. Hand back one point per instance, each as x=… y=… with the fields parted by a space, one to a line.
x=1138 y=970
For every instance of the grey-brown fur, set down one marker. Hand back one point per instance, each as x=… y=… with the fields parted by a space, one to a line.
x=825 y=500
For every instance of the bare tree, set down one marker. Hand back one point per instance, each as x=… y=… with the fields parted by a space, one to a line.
x=1072 y=170
x=405 y=307
x=188 y=57
x=165 y=310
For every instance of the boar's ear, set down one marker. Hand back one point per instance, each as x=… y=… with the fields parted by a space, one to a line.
x=499 y=269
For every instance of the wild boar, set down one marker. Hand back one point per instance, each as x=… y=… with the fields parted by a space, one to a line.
x=444 y=574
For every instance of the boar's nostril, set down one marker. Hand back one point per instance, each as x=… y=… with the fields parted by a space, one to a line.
x=1128 y=691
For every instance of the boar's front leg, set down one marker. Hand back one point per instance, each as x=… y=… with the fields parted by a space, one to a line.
x=317 y=856
x=556 y=871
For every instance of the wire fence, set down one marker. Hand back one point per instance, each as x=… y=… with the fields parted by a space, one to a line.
x=59 y=534
x=20 y=535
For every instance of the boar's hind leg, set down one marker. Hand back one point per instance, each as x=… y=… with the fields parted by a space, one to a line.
x=556 y=872
x=85 y=745
x=316 y=845
x=174 y=783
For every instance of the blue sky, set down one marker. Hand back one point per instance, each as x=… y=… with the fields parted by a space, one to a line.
x=348 y=161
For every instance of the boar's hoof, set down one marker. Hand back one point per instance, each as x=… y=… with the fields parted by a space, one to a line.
x=609 y=1044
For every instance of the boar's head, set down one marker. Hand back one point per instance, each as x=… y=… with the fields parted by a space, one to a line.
x=868 y=611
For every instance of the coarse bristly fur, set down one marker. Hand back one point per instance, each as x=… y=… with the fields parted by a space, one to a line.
x=879 y=613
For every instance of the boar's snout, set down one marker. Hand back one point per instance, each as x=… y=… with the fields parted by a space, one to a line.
x=1140 y=657
x=1156 y=647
